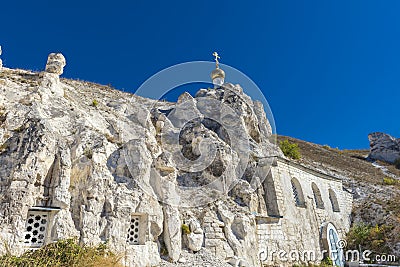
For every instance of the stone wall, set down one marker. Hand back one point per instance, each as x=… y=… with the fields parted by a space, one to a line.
x=249 y=238
x=299 y=229
x=215 y=239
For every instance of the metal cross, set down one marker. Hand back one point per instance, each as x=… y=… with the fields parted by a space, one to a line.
x=215 y=54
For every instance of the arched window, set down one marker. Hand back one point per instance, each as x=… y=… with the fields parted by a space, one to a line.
x=330 y=241
x=317 y=196
x=334 y=201
x=298 y=193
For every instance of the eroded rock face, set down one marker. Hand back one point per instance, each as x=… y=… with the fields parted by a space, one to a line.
x=194 y=240
x=130 y=171
x=384 y=147
x=71 y=156
x=50 y=85
x=211 y=143
x=172 y=232
x=102 y=166
x=55 y=63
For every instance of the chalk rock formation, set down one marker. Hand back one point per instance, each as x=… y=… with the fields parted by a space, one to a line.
x=129 y=171
x=50 y=78
x=55 y=63
x=384 y=147
x=194 y=240
x=172 y=232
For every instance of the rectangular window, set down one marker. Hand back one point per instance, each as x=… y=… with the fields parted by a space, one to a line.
x=36 y=228
x=137 y=229
x=133 y=233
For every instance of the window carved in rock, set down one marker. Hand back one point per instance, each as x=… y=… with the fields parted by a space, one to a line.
x=36 y=228
x=137 y=229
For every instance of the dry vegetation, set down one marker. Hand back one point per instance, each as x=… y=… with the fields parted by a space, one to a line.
x=352 y=163
x=21 y=77
x=64 y=253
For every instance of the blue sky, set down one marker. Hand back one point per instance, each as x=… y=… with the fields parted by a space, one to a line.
x=330 y=70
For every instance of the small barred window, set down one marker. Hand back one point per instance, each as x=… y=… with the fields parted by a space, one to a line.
x=36 y=228
x=134 y=230
x=138 y=229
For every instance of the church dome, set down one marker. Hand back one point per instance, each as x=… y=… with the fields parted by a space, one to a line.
x=217 y=73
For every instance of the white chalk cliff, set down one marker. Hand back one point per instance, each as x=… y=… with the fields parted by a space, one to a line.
x=107 y=166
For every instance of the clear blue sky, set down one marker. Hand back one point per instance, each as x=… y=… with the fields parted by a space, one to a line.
x=329 y=69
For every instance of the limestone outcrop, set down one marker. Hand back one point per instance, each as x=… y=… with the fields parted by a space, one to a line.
x=384 y=147
x=55 y=63
x=105 y=168
x=194 y=240
x=51 y=76
x=101 y=165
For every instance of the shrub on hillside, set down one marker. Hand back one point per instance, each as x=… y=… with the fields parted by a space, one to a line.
x=326 y=147
x=369 y=237
x=326 y=261
x=397 y=163
x=289 y=149
x=389 y=181
x=95 y=103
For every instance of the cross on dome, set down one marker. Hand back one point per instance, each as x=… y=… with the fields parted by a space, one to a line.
x=215 y=54
x=217 y=75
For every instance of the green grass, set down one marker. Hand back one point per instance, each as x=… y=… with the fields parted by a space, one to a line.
x=390 y=181
x=63 y=253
